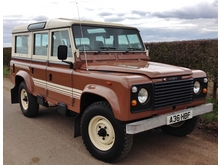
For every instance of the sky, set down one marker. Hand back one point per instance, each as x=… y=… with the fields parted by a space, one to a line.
x=157 y=20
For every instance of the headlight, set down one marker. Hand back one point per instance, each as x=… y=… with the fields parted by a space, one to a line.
x=142 y=95
x=196 y=87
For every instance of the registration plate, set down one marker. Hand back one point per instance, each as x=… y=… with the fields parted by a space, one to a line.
x=179 y=117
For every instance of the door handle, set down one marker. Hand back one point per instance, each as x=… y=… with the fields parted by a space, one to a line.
x=32 y=70
x=50 y=77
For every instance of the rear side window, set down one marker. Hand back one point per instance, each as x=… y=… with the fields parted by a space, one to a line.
x=21 y=44
x=40 y=44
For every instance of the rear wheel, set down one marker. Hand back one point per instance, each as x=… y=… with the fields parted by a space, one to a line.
x=28 y=102
x=104 y=136
x=182 y=128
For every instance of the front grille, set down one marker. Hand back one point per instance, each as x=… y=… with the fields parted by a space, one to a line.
x=172 y=93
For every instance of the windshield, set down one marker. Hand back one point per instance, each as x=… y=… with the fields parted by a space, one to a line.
x=98 y=38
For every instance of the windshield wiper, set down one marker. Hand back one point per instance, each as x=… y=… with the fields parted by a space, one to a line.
x=131 y=49
x=134 y=49
x=107 y=48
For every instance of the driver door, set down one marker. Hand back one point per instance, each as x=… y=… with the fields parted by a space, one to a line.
x=59 y=74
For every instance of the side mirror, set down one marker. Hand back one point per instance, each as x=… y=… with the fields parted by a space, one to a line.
x=62 y=52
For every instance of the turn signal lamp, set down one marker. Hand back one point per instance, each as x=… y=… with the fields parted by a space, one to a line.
x=133 y=103
x=204 y=90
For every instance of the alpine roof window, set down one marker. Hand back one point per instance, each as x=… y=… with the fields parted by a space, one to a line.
x=36 y=26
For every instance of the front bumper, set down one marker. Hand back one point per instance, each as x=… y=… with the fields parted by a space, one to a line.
x=147 y=124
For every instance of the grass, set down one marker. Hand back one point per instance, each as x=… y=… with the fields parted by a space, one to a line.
x=6 y=71
x=212 y=116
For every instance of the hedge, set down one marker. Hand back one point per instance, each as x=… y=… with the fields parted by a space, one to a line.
x=6 y=56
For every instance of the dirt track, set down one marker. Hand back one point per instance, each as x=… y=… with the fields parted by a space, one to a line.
x=48 y=140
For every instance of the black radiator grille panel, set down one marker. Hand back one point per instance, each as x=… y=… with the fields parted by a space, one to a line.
x=172 y=93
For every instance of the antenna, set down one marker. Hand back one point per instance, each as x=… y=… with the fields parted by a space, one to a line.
x=84 y=50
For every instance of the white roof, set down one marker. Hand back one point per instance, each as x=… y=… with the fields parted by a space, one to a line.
x=63 y=22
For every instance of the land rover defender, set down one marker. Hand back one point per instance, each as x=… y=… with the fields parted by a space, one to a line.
x=102 y=73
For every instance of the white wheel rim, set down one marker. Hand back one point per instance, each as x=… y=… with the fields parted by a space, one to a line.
x=24 y=99
x=101 y=133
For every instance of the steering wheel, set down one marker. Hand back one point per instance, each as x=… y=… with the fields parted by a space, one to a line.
x=87 y=47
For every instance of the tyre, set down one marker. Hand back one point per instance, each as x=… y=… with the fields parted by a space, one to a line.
x=28 y=102
x=181 y=128
x=104 y=136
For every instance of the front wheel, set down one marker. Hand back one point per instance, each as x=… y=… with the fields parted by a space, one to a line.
x=28 y=102
x=182 y=128
x=104 y=136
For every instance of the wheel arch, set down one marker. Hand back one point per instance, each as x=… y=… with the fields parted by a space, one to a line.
x=22 y=75
x=19 y=77
x=99 y=93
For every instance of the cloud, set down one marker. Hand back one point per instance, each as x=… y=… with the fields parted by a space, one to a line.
x=170 y=34
x=215 y=3
x=201 y=10
x=141 y=13
x=113 y=19
x=103 y=14
x=112 y=16
x=40 y=18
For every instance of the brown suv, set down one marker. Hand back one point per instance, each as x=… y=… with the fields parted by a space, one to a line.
x=102 y=73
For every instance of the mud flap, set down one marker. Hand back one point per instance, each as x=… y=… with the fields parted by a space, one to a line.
x=77 y=125
x=14 y=95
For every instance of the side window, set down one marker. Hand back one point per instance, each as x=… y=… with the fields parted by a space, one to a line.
x=21 y=44
x=60 y=38
x=40 y=43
